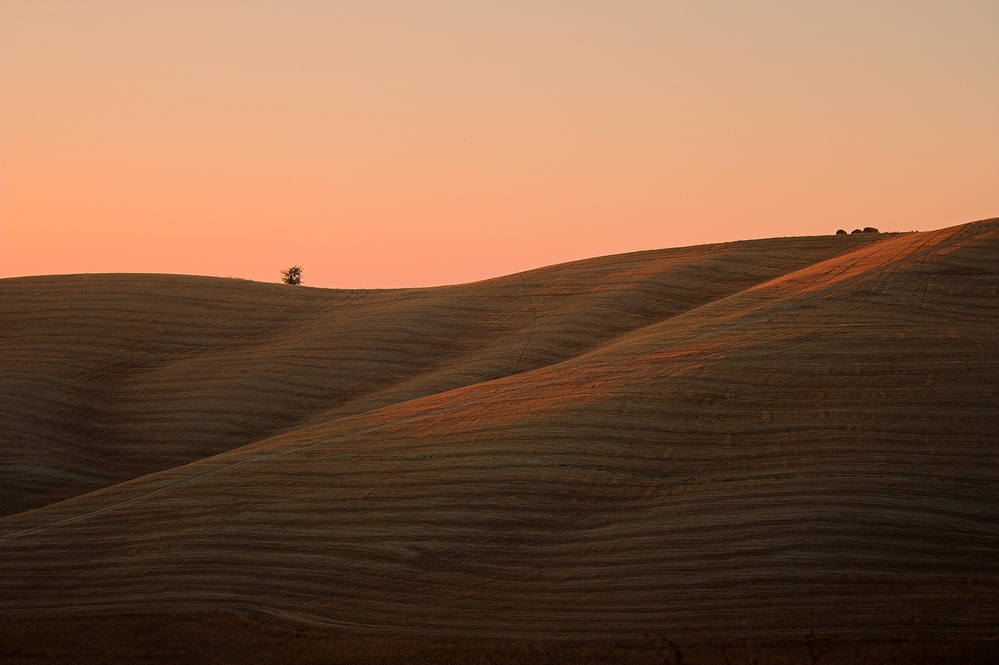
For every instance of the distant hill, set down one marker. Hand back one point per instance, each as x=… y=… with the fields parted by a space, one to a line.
x=746 y=440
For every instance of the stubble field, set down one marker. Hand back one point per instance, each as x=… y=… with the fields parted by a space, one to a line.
x=785 y=449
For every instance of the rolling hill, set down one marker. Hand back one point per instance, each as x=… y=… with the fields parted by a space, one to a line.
x=752 y=440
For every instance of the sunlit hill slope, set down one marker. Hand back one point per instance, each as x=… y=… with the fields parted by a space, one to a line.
x=759 y=438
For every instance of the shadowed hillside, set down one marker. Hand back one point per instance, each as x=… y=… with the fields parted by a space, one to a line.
x=744 y=441
x=109 y=377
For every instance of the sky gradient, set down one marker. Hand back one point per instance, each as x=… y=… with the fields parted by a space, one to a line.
x=393 y=144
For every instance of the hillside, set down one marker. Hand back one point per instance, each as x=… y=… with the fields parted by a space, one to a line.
x=752 y=440
x=109 y=377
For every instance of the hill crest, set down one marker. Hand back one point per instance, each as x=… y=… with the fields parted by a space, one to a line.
x=763 y=438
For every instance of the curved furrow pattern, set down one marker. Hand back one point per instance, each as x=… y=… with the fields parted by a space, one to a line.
x=814 y=450
x=109 y=377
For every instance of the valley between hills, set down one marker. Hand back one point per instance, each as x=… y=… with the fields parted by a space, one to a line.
x=763 y=442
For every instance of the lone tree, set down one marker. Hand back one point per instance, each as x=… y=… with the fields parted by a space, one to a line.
x=292 y=275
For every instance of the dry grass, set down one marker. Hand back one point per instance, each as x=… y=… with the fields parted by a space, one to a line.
x=726 y=443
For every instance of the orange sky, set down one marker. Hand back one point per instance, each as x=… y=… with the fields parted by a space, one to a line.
x=419 y=143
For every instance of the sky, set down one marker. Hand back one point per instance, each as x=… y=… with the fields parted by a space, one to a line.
x=390 y=144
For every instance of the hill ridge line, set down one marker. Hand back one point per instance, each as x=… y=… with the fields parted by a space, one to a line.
x=753 y=441
x=444 y=408
x=596 y=348
x=521 y=380
x=317 y=310
x=303 y=425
